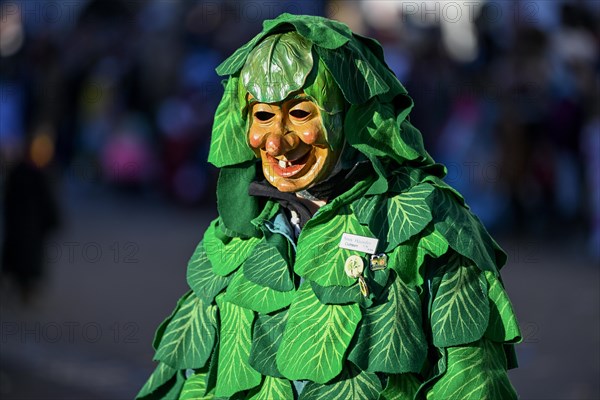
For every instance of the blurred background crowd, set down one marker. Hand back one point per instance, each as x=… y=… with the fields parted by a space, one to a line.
x=120 y=94
x=123 y=93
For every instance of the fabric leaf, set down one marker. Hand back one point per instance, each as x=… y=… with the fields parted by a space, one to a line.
x=358 y=80
x=321 y=31
x=266 y=337
x=404 y=178
x=161 y=375
x=316 y=337
x=391 y=337
x=324 y=32
x=160 y=331
x=503 y=325
x=229 y=145
x=433 y=244
x=194 y=388
x=352 y=384
x=262 y=299
x=401 y=387
x=234 y=374
x=319 y=257
x=236 y=208
x=266 y=265
x=403 y=261
x=337 y=294
x=396 y=219
x=277 y=67
x=373 y=129
x=272 y=388
x=201 y=278
x=226 y=258
x=189 y=338
x=464 y=231
x=460 y=309
x=476 y=371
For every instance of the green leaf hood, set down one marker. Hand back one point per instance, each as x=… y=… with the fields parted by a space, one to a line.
x=377 y=105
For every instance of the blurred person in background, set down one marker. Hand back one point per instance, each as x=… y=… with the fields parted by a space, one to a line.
x=30 y=214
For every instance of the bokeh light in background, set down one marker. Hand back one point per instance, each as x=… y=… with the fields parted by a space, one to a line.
x=112 y=102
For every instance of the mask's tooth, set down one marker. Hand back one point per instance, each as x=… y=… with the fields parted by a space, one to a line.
x=282 y=163
x=289 y=164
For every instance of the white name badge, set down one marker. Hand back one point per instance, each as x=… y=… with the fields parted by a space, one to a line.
x=359 y=243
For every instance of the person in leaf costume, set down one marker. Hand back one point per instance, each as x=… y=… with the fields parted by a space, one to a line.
x=341 y=265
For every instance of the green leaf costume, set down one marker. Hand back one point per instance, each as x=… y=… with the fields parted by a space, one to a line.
x=274 y=317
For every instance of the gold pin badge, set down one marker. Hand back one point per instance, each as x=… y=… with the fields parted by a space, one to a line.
x=378 y=262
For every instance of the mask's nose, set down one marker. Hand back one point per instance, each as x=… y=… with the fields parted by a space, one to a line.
x=278 y=144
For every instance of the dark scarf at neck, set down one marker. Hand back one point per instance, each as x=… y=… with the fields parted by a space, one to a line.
x=325 y=190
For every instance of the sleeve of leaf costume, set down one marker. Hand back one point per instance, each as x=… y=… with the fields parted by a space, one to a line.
x=471 y=319
x=187 y=342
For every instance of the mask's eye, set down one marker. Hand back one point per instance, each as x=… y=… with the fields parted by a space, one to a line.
x=299 y=113
x=263 y=115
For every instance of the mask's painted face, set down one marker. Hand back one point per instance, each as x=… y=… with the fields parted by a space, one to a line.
x=290 y=138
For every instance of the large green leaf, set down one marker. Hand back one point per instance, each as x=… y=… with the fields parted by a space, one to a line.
x=316 y=337
x=463 y=230
x=403 y=260
x=277 y=66
x=229 y=144
x=401 y=387
x=234 y=374
x=324 y=32
x=226 y=258
x=460 y=309
x=433 y=244
x=201 y=278
x=236 y=209
x=374 y=129
x=353 y=73
x=160 y=331
x=266 y=337
x=339 y=294
x=404 y=178
x=262 y=299
x=190 y=336
x=503 y=325
x=352 y=384
x=407 y=259
x=237 y=60
x=397 y=218
x=266 y=265
x=272 y=388
x=476 y=371
x=160 y=377
x=194 y=388
x=319 y=257
x=391 y=337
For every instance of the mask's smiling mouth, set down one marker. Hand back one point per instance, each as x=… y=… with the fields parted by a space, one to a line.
x=290 y=168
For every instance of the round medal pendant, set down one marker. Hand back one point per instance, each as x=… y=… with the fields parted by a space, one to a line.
x=354 y=266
